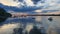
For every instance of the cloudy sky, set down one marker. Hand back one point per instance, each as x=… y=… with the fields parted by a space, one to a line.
x=16 y=2
x=47 y=4
x=9 y=2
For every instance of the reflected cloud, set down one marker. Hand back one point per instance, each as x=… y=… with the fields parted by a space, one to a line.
x=8 y=28
x=29 y=27
x=38 y=18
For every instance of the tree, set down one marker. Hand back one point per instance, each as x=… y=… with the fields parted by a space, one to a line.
x=4 y=15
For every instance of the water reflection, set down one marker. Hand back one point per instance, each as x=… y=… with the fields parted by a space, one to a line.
x=8 y=28
x=18 y=25
x=52 y=27
x=18 y=31
x=35 y=30
x=29 y=25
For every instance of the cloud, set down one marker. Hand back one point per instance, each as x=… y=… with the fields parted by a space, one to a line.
x=18 y=3
x=21 y=9
x=35 y=1
x=9 y=2
x=29 y=3
x=25 y=9
x=18 y=0
x=38 y=1
x=38 y=11
x=29 y=6
x=51 y=6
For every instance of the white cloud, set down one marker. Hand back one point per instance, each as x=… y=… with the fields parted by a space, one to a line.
x=9 y=2
x=38 y=11
x=29 y=2
x=52 y=5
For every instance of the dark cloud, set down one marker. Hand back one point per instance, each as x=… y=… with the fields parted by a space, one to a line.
x=35 y=1
x=18 y=0
x=21 y=9
x=45 y=11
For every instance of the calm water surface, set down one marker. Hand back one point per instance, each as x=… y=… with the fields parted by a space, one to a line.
x=25 y=24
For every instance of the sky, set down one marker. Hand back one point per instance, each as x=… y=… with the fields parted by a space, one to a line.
x=47 y=4
x=9 y=2
x=16 y=2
